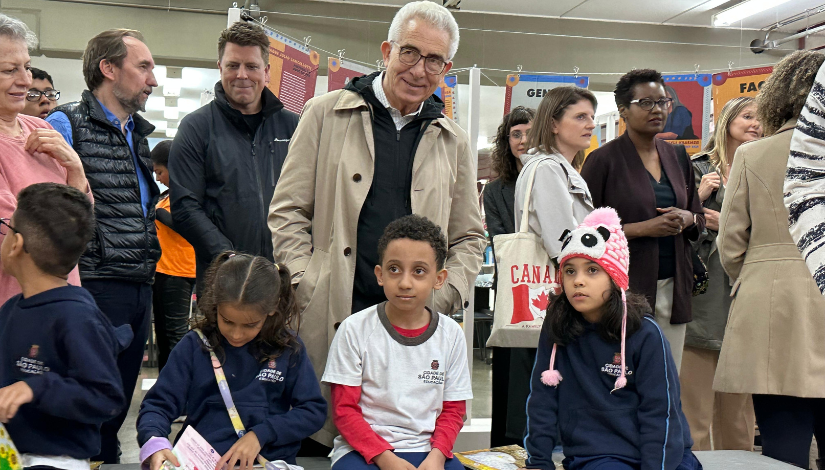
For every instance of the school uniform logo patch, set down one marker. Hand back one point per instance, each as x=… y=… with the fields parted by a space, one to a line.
x=432 y=375
x=30 y=364
x=270 y=374
x=614 y=369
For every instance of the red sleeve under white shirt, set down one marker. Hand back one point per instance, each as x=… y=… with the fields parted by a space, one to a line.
x=349 y=419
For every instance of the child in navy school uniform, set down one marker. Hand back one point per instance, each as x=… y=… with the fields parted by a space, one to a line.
x=611 y=394
x=58 y=372
x=247 y=307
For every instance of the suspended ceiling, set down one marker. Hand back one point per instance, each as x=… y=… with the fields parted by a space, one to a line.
x=672 y=12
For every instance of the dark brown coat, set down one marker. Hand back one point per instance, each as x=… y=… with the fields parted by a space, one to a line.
x=617 y=178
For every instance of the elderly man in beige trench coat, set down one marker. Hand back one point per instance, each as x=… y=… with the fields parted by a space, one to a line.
x=365 y=155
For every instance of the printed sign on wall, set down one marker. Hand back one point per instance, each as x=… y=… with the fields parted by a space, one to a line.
x=528 y=90
x=727 y=86
x=340 y=72
x=448 y=92
x=691 y=102
x=293 y=70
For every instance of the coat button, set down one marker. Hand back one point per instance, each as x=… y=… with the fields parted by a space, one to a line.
x=466 y=303
x=336 y=325
x=356 y=177
x=347 y=251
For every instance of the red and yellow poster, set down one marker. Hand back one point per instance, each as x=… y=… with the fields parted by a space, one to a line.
x=293 y=70
x=691 y=102
x=727 y=86
x=340 y=72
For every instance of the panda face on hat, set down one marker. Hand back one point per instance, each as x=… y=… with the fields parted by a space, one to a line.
x=588 y=241
x=600 y=238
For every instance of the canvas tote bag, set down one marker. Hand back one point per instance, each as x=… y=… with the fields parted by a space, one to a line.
x=526 y=279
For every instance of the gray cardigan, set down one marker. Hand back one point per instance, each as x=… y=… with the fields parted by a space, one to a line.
x=559 y=201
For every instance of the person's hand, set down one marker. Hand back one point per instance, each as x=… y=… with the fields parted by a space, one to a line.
x=52 y=143
x=387 y=460
x=434 y=461
x=685 y=216
x=12 y=398
x=244 y=452
x=666 y=225
x=156 y=460
x=710 y=183
x=711 y=220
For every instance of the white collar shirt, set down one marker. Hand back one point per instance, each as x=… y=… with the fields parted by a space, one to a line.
x=399 y=119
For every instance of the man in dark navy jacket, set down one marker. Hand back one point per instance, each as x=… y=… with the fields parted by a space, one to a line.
x=227 y=156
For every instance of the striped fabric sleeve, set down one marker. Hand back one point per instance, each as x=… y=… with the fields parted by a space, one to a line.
x=804 y=190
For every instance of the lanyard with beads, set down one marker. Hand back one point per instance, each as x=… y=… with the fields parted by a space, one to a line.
x=223 y=386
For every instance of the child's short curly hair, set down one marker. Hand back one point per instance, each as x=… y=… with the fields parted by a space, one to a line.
x=418 y=228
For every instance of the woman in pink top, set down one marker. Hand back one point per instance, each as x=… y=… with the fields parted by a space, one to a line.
x=30 y=150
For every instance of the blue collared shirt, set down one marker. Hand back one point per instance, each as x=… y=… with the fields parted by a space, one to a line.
x=61 y=124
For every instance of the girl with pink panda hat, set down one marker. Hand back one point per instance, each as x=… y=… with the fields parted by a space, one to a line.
x=610 y=396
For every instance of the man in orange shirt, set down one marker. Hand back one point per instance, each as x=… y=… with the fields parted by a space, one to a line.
x=175 y=278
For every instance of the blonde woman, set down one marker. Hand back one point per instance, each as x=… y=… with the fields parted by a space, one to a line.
x=728 y=416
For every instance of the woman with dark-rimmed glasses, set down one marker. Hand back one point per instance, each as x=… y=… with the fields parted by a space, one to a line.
x=653 y=190
x=30 y=150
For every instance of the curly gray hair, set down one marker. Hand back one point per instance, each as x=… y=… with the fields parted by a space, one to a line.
x=433 y=14
x=15 y=29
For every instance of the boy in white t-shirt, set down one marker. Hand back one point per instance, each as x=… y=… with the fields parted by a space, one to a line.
x=398 y=371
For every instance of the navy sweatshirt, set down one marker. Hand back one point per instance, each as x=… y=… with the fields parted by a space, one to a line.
x=65 y=349
x=281 y=401
x=642 y=422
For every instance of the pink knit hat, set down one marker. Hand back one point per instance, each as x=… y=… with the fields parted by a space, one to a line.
x=600 y=239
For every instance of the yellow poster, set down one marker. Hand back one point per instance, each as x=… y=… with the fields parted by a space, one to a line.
x=730 y=85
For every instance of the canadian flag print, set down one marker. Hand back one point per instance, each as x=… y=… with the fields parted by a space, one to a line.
x=529 y=303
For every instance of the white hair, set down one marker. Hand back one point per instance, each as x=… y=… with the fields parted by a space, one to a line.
x=17 y=30
x=433 y=14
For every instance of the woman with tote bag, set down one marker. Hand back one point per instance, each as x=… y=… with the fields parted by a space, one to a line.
x=551 y=198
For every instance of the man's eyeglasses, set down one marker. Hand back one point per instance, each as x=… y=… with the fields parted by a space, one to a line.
x=34 y=95
x=648 y=104
x=433 y=65
x=517 y=135
x=4 y=222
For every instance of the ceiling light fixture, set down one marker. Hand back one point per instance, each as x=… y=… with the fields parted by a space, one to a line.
x=743 y=10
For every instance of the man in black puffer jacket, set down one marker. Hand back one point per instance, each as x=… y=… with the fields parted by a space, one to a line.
x=105 y=130
x=227 y=156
